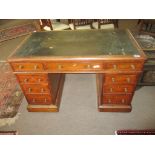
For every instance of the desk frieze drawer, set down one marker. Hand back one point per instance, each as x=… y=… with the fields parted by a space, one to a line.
x=36 y=88
x=27 y=66
x=117 y=99
x=73 y=66
x=39 y=99
x=115 y=66
x=32 y=78
x=118 y=88
x=120 y=79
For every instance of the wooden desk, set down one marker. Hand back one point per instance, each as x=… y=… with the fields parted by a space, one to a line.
x=41 y=61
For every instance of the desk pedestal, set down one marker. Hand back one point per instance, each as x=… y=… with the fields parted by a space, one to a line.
x=53 y=107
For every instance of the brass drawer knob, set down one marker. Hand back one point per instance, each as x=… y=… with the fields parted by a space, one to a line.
x=115 y=66
x=88 y=66
x=96 y=66
x=39 y=80
x=111 y=90
x=59 y=66
x=35 y=67
x=128 y=80
x=21 y=67
x=109 y=100
x=29 y=90
x=126 y=90
x=45 y=100
x=33 y=100
x=25 y=80
x=74 y=65
x=123 y=100
x=42 y=90
x=133 y=67
x=113 y=79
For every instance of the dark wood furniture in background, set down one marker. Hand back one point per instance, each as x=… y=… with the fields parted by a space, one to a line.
x=148 y=76
x=80 y=22
x=147 y=26
x=55 y=25
x=146 y=39
x=107 y=21
x=41 y=61
x=45 y=22
x=147 y=43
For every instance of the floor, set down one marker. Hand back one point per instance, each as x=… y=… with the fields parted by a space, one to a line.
x=78 y=111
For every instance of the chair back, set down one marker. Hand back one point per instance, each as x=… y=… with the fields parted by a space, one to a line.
x=107 y=21
x=45 y=22
x=80 y=22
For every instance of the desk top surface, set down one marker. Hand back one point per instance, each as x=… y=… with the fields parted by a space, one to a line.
x=83 y=43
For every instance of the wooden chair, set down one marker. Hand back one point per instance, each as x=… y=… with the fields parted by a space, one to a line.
x=105 y=24
x=49 y=25
x=80 y=24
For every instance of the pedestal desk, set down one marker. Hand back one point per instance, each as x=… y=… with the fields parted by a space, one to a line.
x=43 y=58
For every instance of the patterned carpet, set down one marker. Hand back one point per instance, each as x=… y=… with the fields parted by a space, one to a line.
x=10 y=93
x=10 y=33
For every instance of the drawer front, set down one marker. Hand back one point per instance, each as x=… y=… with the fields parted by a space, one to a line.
x=36 y=88
x=39 y=99
x=27 y=67
x=117 y=99
x=73 y=66
x=34 y=78
x=118 y=88
x=120 y=79
x=124 y=66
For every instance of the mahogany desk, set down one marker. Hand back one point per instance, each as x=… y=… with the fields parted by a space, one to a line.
x=41 y=61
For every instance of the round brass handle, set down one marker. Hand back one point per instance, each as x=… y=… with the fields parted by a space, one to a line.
x=74 y=65
x=115 y=66
x=133 y=67
x=21 y=67
x=111 y=90
x=88 y=66
x=35 y=67
x=96 y=66
x=39 y=80
x=59 y=66
x=113 y=79
x=126 y=90
x=25 y=80
x=29 y=90
x=42 y=90
x=123 y=100
x=128 y=80
x=109 y=101
x=33 y=100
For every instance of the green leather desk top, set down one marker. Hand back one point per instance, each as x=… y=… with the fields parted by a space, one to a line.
x=83 y=43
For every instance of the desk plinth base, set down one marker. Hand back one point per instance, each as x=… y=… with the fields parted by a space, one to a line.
x=42 y=108
x=52 y=107
x=114 y=108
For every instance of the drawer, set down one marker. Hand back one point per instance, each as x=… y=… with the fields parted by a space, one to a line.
x=73 y=66
x=120 y=79
x=118 y=88
x=117 y=99
x=124 y=66
x=39 y=99
x=32 y=78
x=36 y=88
x=27 y=67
